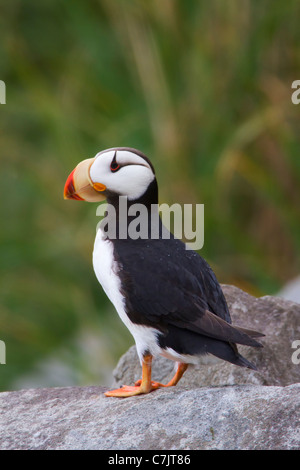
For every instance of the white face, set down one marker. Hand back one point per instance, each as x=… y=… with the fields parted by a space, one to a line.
x=123 y=172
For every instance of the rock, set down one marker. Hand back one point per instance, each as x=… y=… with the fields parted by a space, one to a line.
x=291 y=291
x=277 y=318
x=235 y=417
x=213 y=407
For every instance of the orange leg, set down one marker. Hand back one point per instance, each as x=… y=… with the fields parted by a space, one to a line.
x=144 y=385
x=182 y=367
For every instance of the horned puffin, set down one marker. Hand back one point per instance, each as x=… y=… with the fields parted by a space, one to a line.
x=166 y=295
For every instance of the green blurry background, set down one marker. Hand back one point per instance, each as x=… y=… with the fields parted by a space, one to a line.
x=204 y=89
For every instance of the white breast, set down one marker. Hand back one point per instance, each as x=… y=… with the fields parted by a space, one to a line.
x=106 y=269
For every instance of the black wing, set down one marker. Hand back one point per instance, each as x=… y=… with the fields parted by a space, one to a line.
x=166 y=284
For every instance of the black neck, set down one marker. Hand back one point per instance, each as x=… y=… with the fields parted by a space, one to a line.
x=119 y=217
x=147 y=199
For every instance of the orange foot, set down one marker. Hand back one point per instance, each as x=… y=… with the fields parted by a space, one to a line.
x=154 y=385
x=146 y=385
x=130 y=391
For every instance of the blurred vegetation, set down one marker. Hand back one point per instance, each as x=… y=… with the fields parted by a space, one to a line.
x=204 y=89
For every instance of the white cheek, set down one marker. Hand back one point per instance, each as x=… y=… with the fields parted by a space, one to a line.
x=131 y=181
x=100 y=169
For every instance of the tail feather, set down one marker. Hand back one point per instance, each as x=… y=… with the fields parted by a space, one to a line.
x=229 y=352
x=251 y=333
x=243 y=362
x=211 y=325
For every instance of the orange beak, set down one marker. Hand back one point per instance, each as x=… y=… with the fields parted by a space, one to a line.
x=70 y=191
x=80 y=187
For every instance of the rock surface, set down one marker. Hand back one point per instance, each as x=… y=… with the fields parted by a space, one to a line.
x=213 y=407
x=234 y=417
x=277 y=318
x=291 y=291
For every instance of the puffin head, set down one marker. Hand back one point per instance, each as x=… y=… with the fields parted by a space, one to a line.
x=119 y=171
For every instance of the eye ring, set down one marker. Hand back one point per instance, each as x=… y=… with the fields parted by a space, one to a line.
x=114 y=166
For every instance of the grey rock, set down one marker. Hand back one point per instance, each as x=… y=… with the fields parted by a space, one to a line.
x=277 y=318
x=213 y=407
x=234 y=417
x=291 y=291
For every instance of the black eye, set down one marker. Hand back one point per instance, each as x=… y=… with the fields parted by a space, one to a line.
x=114 y=166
